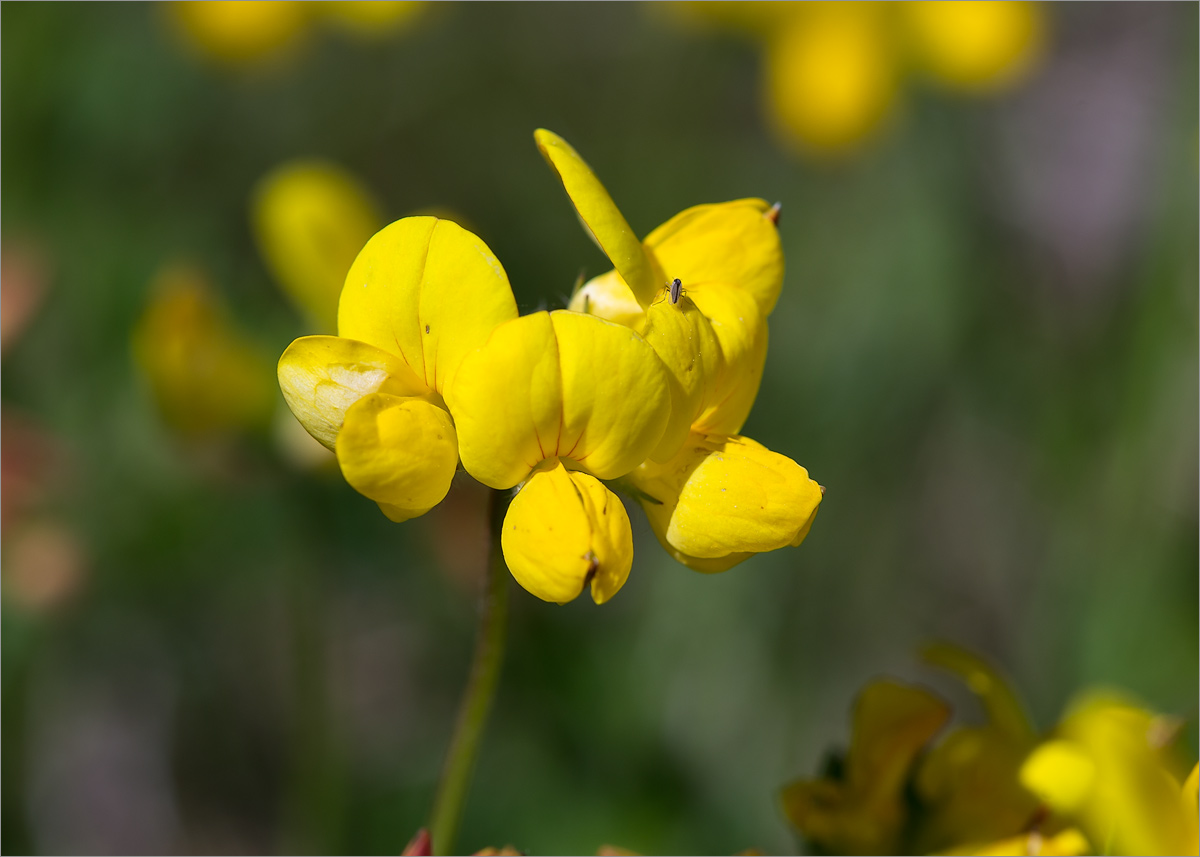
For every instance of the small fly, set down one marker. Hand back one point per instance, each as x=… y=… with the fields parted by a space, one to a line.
x=676 y=288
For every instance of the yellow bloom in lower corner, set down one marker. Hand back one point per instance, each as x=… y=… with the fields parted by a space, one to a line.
x=723 y=499
x=1104 y=771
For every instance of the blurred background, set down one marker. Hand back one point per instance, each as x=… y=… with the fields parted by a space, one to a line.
x=986 y=350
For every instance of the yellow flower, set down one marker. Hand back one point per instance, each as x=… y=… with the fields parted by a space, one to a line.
x=862 y=811
x=242 y=32
x=421 y=296
x=310 y=220
x=713 y=498
x=833 y=70
x=206 y=377
x=555 y=402
x=1105 y=770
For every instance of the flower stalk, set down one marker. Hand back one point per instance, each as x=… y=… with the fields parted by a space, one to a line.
x=481 y=686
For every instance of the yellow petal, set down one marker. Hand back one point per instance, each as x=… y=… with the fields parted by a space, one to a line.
x=601 y=216
x=371 y=17
x=240 y=31
x=735 y=243
x=742 y=331
x=1061 y=774
x=205 y=375
x=723 y=496
x=684 y=340
x=1004 y=709
x=426 y=290
x=400 y=452
x=559 y=385
x=311 y=218
x=608 y=297
x=831 y=77
x=975 y=46
x=863 y=812
x=322 y=376
x=564 y=530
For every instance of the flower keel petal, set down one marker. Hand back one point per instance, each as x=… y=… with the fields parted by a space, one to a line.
x=565 y=530
x=400 y=452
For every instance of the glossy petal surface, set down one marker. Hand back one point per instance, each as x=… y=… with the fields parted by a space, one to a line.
x=562 y=385
x=322 y=376
x=601 y=216
x=742 y=332
x=400 y=452
x=683 y=338
x=426 y=290
x=734 y=243
x=565 y=530
x=725 y=496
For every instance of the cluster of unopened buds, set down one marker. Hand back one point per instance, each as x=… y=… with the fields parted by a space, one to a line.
x=642 y=384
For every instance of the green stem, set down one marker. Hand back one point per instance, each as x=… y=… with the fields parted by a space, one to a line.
x=479 y=692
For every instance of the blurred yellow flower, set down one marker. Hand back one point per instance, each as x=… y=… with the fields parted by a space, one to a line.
x=1102 y=783
x=421 y=296
x=712 y=497
x=833 y=69
x=242 y=32
x=310 y=220
x=205 y=376
x=1104 y=769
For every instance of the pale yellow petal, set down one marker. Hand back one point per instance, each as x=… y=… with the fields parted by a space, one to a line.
x=310 y=219
x=563 y=385
x=608 y=297
x=322 y=376
x=426 y=290
x=565 y=530
x=734 y=243
x=400 y=452
x=601 y=216
x=724 y=496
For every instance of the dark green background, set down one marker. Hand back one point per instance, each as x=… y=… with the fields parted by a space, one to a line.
x=986 y=349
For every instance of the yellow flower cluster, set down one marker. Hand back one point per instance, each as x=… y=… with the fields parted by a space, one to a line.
x=1105 y=781
x=638 y=381
x=833 y=69
x=240 y=32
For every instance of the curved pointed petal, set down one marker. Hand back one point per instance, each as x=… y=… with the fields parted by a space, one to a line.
x=322 y=376
x=565 y=530
x=429 y=291
x=310 y=220
x=735 y=243
x=563 y=385
x=400 y=452
x=724 y=496
x=601 y=216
